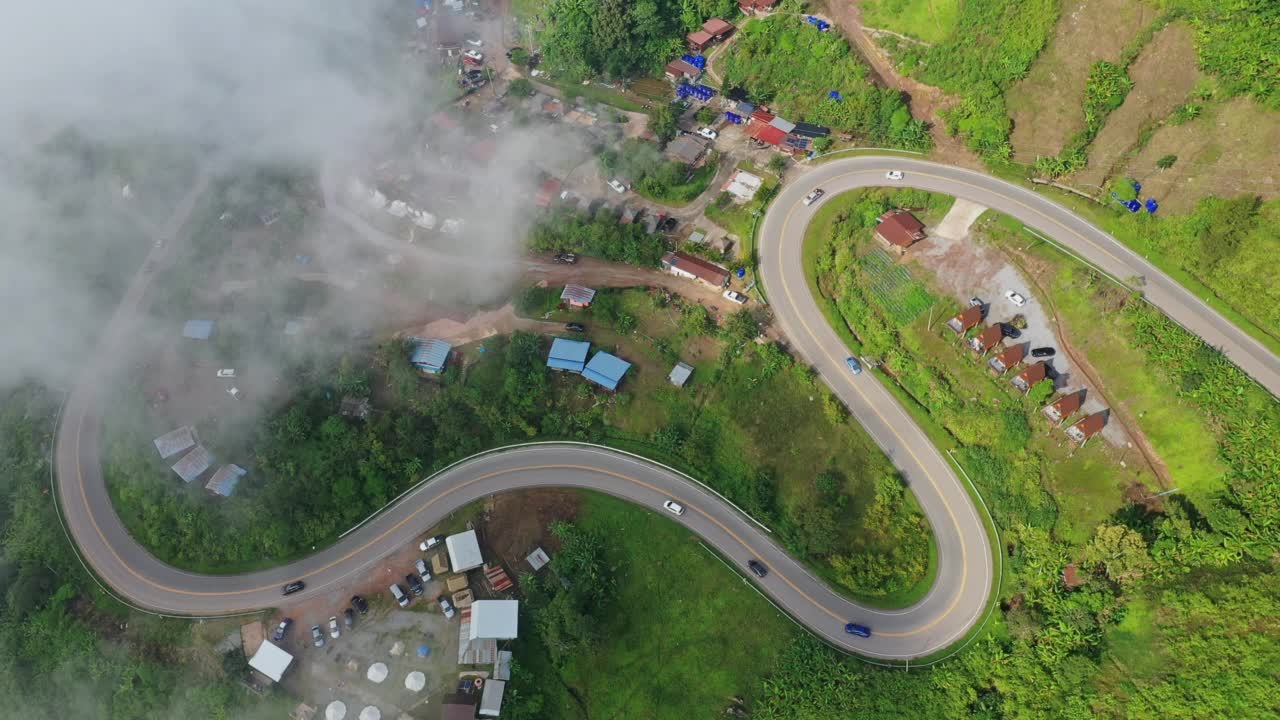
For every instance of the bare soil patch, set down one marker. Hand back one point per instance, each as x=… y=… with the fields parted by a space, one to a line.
x=516 y=522
x=1046 y=104
x=1234 y=148
x=1163 y=76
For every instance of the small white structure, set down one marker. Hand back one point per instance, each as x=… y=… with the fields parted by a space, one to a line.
x=377 y=672
x=464 y=551
x=370 y=713
x=398 y=209
x=491 y=698
x=415 y=681
x=742 y=185
x=502 y=668
x=336 y=710
x=494 y=619
x=271 y=661
x=537 y=559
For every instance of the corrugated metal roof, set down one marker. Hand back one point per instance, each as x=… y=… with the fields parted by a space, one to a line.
x=193 y=464
x=431 y=355
x=176 y=441
x=224 y=481
x=785 y=126
x=198 y=329
x=606 y=370
x=568 y=354
x=578 y=294
x=679 y=374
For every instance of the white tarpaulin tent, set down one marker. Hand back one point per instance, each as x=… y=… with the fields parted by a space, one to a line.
x=370 y=713
x=464 y=551
x=337 y=710
x=271 y=661
x=494 y=619
x=377 y=672
x=415 y=681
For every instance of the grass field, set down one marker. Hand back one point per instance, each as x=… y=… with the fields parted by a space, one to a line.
x=928 y=20
x=684 y=635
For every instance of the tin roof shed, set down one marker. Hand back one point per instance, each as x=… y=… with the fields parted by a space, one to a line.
x=606 y=370
x=224 y=481
x=570 y=355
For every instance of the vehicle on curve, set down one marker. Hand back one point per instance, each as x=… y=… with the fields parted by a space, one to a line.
x=421 y=566
x=854 y=366
x=445 y=606
x=415 y=584
x=1015 y=298
x=281 y=629
x=575 y=327
x=1043 y=352
x=894 y=175
x=618 y=187
x=317 y=636
x=757 y=568
x=294 y=587
x=814 y=196
x=430 y=542
x=334 y=631
x=673 y=507
x=349 y=618
x=856 y=629
x=398 y=593
x=735 y=297
x=360 y=605
x=708 y=133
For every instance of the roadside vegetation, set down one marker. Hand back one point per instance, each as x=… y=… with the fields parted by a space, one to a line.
x=788 y=64
x=669 y=182
x=68 y=650
x=600 y=236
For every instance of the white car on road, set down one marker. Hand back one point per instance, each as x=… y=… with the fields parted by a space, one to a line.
x=1015 y=298
x=673 y=507
x=227 y=373
x=618 y=187
x=894 y=175
x=813 y=197
x=708 y=133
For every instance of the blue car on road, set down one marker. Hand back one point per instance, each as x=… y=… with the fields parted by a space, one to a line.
x=853 y=365
x=859 y=630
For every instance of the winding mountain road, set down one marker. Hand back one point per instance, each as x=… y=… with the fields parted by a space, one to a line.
x=965 y=573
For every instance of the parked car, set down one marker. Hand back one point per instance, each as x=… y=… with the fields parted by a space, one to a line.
x=360 y=605
x=617 y=186
x=430 y=542
x=1015 y=298
x=317 y=636
x=856 y=629
x=975 y=302
x=398 y=593
x=1043 y=352
x=708 y=133
x=894 y=175
x=474 y=56
x=445 y=606
x=575 y=327
x=757 y=568
x=736 y=297
x=227 y=373
x=349 y=618
x=813 y=197
x=421 y=566
x=334 y=630
x=415 y=584
x=293 y=587
x=673 y=507
x=565 y=258
x=1010 y=331
x=854 y=366
x=281 y=629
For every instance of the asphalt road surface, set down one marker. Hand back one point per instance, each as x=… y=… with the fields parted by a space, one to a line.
x=965 y=575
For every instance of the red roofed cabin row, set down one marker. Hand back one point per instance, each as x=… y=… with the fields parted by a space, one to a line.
x=713 y=31
x=756 y=7
x=695 y=268
x=900 y=229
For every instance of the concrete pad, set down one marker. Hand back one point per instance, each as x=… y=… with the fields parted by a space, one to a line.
x=959 y=219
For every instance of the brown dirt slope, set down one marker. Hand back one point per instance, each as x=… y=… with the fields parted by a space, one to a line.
x=1046 y=104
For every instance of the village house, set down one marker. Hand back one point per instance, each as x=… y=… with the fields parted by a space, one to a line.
x=1007 y=358
x=1087 y=428
x=695 y=268
x=687 y=149
x=961 y=323
x=756 y=7
x=678 y=70
x=900 y=229
x=1064 y=407
x=987 y=339
x=1029 y=377
x=577 y=296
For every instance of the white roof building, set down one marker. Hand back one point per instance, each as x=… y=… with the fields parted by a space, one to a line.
x=464 y=551
x=491 y=698
x=494 y=619
x=271 y=661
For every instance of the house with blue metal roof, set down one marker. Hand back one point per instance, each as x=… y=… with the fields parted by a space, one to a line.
x=431 y=355
x=198 y=329
x=606 y=370
x=569 y=355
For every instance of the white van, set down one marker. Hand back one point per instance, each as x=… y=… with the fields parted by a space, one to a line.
x=398 y=593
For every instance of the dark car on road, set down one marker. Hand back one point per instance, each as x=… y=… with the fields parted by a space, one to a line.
x=757 y=568
x=575 y=327
x=856 y=629
x=415 y=584
x=360 y=605
x=1043 y=352
x=281 y=629
x=293 y=587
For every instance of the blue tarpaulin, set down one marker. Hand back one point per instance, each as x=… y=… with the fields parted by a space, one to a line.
x=734 y=118
x=1152 y=205
x=835 y=95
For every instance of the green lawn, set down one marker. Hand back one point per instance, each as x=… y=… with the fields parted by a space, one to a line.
x=686 y=192
x=684 y=634
x=928 y=20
